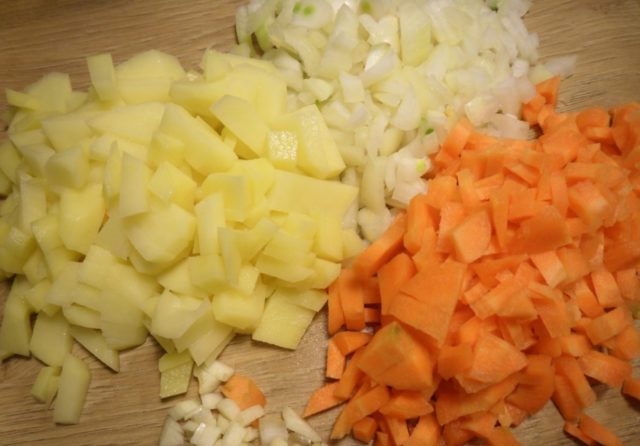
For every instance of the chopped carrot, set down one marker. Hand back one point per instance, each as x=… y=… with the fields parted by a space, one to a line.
x=510 y=283
x=244 y=392
x=350 y=341
x=593 y=429
x=392 y=276
x=407 y=404
x=336 y=360
x=383 y=249
x=365 y=429
x=322 y=399
x=426 y=433
x=605 y=368
x=351 y=299
x=573 y=430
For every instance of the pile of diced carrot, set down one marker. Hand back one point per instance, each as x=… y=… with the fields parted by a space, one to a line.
x=510 y=283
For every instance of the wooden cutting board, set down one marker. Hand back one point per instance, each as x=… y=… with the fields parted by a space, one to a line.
x=39 y=36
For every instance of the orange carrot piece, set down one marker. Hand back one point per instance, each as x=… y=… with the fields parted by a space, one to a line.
x=499 y=200
x=322 y=399
x=455 y=435
x=371 y=291
x=384 y=248
x=575 y=344
x=457 y=138
x=574 y=431
x=392 y=276
x=365 y=429
x=472 y=236
x=454 y=359
x=442 y=189
x=350 y=377
x=593 y=429
x=550 y=266
x=398 y=429
x=605 y=368
x=336 y=361
x=606 y=288
x=586 y=300
x=348 y=342
x=451 y=215
x=487 y=270
x=418 y=219
x=357 y=409
x=351 y=299
x=492 y=302
x=426 y=433
x=626 y=345
x=439 y=289
x=243 y=391
x=371 y=315
x=565 y=400
x=588 y=203
x=608 y=325
x=548 y=89
x=407 y=404
x=335 y=315
x=494 y=359
x=568 y=367
x=383 y=439
x=501 y=436
x=544 y=231
x=481 y=424
x=631 y=387
x=628 y=283
x=427 y=255
x=593 y=117
x=575 y=266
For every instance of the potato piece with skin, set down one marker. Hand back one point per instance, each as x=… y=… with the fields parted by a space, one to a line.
x=72 y=390
x=175 y=381
x=51 y=339
x=162 y=233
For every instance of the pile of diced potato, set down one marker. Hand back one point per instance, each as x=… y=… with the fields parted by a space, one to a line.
x=185 y=205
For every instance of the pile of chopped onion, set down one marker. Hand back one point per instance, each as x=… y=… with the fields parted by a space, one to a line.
x=391 y=78
x=215 y=420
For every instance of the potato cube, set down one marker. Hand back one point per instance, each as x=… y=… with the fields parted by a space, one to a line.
x=204 y=150
x=94 y=343
x=161 y=234
x=173 y=315
x=283 y=323
x=72 y=390
x=46 y=385
x=134 y=180
x=313 y=300
x=51 y=340
x=103 y=76
x=175 y=381
x=178 y=279
x=136 y=123
x=15 y=331
x=209 y=217
x=9 y=160
x=282 y=149
x=283 y=270
x=66 y=131
x=36 y=157
x=236 y=194
x=171 y=185
x=207 y=272
x=33 y=201
x=81 y=316
x=69 y=168
x=239 y=116
x=81 y=215
x=287 y=248
x=239 y=310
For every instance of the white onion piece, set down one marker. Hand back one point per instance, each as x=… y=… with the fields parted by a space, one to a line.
x=211 y=400
x=172 y=434
x=234 y=435
x=249 y=415
x=295 y=423
x=184 y=409
x=271 y=428
x=228 y=408
x=205 y=435
x=562 y=66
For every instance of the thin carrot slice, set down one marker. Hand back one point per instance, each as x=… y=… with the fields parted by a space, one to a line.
x=351 y=299
x=348 y=342
x=426 y=433
x=336 y=361
x=365 y=429
x=407 y=404
x=335 y=315
x=605 y=368
x=573 y=430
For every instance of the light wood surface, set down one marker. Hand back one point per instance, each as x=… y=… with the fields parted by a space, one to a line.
x=39 y=36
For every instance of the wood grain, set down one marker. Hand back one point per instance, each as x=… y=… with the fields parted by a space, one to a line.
x=38 y=36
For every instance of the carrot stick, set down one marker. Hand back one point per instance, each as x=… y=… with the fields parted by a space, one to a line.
x=322 y=399
x=336 y=360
